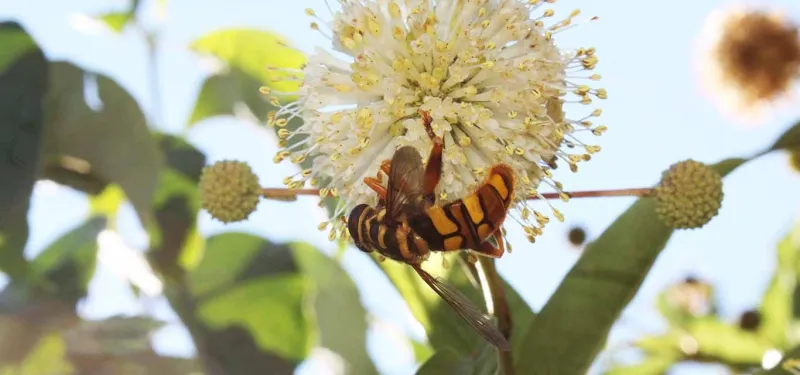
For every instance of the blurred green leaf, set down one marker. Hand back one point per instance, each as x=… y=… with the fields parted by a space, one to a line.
x=339 y=311
x=273 y=309
x=778 y=301
x=443 y=362
x=422 y=351
x=117 y=21
x=16 y=43
x=246 y=55
x=443 y=326
x=563 y=338
x=253 y=52
x=175 y=243
x=236 y=259
x=660 y=346
x=23 y=84
x=69 y=263
x=448 y=361
x=789 y=364
x=268 y=294
x=650 y=366
x=49 y=357
x=29 y=311
x=572 y=327
x=727 y=343
x=687 y=300
x=228 y=93
x=74 y=128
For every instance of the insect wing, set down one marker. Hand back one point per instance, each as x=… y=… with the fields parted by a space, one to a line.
x=406 y=182
x=476 y=318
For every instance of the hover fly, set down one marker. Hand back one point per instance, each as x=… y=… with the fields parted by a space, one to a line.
x=407 y=225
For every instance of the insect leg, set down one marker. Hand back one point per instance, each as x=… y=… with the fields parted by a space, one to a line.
x=433 y=171
x=386 y=165
x=487 y=248
x=375 y=184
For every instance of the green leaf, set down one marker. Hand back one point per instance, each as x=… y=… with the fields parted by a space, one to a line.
x=16 y=43
x=726 y=343
x=117 y=21
x=49 y=357
x=572 y=327
x=69 y=262
x=443 y=362
x=272 y=309
x=268 y=295
x=443 y=326
x=23 y=84
x=30 y=311
x=74 y=128
x=563 y=338
x=339 y=311
x=448 y=361
x=661 y=346
x=253 y=51
x=650 y=366
x=789 y=140
x=247 y=54
x=224 y=93
x=789 y=364
x=779 y=299
x=175 y=243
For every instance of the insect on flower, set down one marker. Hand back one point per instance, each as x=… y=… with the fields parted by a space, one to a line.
x=406 y=225
x=489 y=73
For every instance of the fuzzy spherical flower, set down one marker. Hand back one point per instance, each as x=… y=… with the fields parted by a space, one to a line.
x=689 y=195
x=750 y=58
x=487 y=71
x=229 y=191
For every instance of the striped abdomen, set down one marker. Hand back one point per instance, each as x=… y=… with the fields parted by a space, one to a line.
x=396 y=242
x=468 y=222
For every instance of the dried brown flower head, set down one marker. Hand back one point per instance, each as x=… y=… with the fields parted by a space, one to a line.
x=750 y=57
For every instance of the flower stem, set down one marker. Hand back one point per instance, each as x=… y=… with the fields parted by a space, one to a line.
x=291 y=194
x=494 y=284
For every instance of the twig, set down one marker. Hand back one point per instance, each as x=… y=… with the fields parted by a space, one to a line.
x=291 y=194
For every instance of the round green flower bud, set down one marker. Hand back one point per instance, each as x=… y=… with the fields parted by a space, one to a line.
x=689 y=195
x=229 y=190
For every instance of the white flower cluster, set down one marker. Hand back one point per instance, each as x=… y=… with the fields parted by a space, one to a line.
x=488 y=73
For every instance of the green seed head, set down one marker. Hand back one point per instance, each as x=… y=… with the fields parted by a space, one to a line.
x=229 y=191
x=689 y=195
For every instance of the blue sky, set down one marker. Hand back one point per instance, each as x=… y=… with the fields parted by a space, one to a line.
x=655 y=112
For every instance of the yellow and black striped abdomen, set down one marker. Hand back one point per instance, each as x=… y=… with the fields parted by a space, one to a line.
x=466 y=223
x=395 y=242
x=357 y=225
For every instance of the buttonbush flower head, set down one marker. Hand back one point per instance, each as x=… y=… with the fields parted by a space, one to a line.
x=488 y=72
x=750 y=57
x=229 y=191
x=689 y=195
